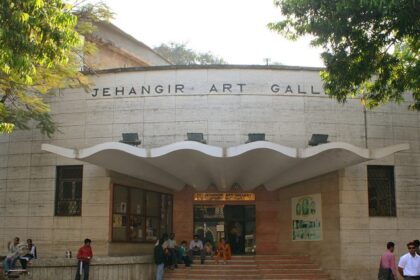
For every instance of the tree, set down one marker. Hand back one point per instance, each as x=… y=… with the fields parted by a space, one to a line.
x=180 y=54
x=371 y=47
x=40 y=47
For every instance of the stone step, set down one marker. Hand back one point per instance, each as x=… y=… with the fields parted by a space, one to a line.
x=230 y=262
x=290 y=261
x=212 y=277
x=294 y=277
x=233 y=257
x=289 y=265
x=253 y=277
x=267 y=267
x=264 y=270
x=213 y=272
x=279 y=257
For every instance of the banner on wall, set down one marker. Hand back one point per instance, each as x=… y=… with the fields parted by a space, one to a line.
x=307 y=218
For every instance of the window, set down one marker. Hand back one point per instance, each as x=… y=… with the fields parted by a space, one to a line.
x=68 y=191
x=140 y=215
x=381 y=191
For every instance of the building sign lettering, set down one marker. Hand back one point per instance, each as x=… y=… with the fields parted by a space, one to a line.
x=224 y=197
x=214 y=88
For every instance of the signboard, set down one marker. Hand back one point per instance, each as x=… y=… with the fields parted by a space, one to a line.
x=307 y=218
x=280 y=88
x=224 y=197
x=220 y=228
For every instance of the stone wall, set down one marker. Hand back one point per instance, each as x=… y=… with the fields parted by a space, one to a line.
x=183 y=215
x=325 y=252
x=107 y=57
x=268 y=225
x=364 y=238
x=27 y=203
x=101 y=268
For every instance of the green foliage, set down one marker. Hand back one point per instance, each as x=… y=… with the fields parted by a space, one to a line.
x=6 y=127
x=371 y=47
x=180 y=54
x=40 y=50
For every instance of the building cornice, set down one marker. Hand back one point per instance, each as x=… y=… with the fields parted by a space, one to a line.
x=208 y=67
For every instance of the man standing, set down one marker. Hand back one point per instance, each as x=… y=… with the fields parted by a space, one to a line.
x=84 y=255
x=159 y=256
x=387 y=268
x=409 y=265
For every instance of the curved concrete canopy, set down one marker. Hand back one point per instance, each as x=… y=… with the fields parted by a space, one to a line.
x=200 y=166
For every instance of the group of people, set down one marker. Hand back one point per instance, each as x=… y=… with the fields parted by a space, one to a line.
x=26 y=252
x=168 y=254
x=408 y=265
x=17 y=251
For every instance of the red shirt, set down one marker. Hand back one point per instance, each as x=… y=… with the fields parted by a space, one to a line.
x=85 y=253
x=388 y=261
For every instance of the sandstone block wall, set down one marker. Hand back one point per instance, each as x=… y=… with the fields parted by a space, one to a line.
x=27 y=174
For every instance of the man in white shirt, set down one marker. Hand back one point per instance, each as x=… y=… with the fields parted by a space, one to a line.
x=197 y=248
x=12 y=255
x=31 y=254
x=409 y=265
x=172 y=248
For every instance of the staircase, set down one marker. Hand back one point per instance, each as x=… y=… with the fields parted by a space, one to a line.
x=274 y=267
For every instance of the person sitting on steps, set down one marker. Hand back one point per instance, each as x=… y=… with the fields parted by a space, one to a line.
x=208 y=249
x=12 y=255
x=183 y=252
x=197 y=248
x=30 y=255
x=172 y=252
x=223 y=251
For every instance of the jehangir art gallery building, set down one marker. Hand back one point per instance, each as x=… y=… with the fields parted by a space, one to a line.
x=256 y=154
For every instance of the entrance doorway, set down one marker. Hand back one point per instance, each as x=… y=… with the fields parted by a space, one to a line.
x=236 y=223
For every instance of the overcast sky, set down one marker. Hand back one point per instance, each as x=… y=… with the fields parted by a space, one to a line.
x=235 y=30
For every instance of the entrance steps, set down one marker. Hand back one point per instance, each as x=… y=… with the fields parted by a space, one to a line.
x=270 y=267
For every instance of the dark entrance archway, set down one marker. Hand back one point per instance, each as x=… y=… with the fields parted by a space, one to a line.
x=236 y=223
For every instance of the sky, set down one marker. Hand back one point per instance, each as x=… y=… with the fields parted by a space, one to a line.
x=235 y=30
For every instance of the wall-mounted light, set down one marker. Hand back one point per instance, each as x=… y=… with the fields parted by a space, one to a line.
x=253 y=137
x=131 y=139
x=317 y=139
x=197 y=137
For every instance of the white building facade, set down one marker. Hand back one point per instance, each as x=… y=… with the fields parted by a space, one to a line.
x=340 y=201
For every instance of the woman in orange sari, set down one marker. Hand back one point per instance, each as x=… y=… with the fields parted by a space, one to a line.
x=223 y=251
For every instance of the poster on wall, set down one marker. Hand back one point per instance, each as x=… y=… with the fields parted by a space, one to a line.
x=307 y=218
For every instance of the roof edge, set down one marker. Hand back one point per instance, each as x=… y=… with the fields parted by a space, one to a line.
x=207 y=67
x=115 y=28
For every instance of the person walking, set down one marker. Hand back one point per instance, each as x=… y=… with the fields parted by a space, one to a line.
x=409 y=264
x=84 y=255
x=159 y=255
x=387 y=268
